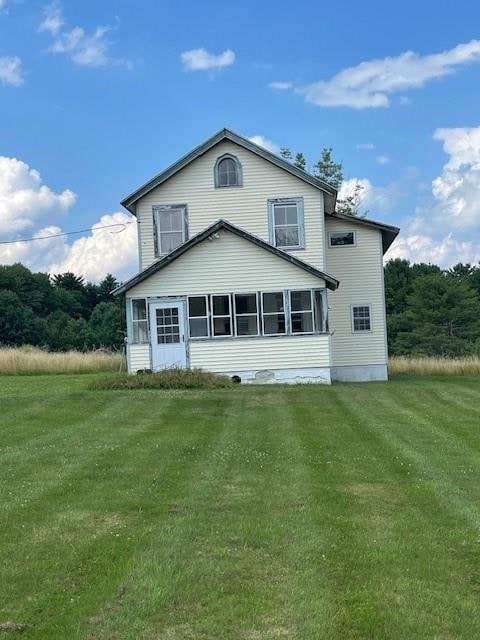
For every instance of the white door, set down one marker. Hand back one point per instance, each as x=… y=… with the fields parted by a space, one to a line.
x=167 y=331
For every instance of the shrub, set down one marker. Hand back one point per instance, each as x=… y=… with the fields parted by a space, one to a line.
x=167 y=379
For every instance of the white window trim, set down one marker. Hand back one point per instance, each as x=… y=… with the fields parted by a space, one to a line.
x=238 y=166
x=156 y=210
x=207 y=317
x=246 y=315
x=275 y=313
x=134 y=321
x=213 y=316
x=300 y=218
x=342 y=246
x=363 y=304
x=311 y=311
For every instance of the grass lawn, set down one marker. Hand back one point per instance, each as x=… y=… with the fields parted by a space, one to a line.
x=303 y=513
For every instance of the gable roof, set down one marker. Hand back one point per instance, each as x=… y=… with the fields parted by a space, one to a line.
x=330 y=281
x=226 y=134
x=389 y=233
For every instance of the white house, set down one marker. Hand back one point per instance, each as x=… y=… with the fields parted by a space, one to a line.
x=246 y=269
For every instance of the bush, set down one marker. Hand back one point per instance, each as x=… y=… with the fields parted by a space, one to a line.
x=167 y=379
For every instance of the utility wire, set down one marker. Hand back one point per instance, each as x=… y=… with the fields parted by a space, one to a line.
x=69 y=233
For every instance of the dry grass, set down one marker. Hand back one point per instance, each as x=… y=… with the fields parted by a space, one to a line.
x=167 y=379
x=469 y=366
x=30 y=360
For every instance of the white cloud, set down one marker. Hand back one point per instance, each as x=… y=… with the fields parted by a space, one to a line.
x=376 y=200
x=90 y=50
x=52 y=18
x=11 y=71
x=281 y=86
x=448 y=231
x=28 y=209
x=265 y=143
x=366 y=145
x=202 y=60
x=370 y=83
x=3 y=4
x=383 y=159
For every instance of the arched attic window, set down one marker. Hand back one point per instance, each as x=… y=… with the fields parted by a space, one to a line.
x=228 y=171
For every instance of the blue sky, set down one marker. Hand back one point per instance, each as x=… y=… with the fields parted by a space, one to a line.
x=96 y=98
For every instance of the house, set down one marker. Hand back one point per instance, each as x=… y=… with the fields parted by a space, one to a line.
x=246 y=269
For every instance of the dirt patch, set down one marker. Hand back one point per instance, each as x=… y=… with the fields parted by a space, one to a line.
x=12 y=627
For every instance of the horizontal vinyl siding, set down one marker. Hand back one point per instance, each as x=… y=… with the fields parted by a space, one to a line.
x=225 y=264
x=246 y=206
x=292 y=352
x=360 y=271
x=138 y=357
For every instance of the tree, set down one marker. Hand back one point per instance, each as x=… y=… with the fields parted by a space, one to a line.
x=327 y=170
x=350 y=204
x=18 y=323
x=286 y=154
x=300 y=161
x=63 y=332
x=106 y=324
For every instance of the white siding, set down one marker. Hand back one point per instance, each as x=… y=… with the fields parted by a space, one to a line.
x=360 y=271
x=245 y=207
x=240 y=354
x=138 y=356
x=222 y=265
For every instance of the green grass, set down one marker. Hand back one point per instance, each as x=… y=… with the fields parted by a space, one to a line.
x=250 y=513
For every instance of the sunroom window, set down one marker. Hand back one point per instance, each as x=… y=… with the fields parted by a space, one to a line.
x=139 y=320
x=273 y=313
x=286 y=223
x=301 y=311
x=198 y=316
x=246 y=314
x=221 y=315
x=170 y=228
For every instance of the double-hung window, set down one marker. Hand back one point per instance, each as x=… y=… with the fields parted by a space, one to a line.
x=198 y=316
x=139 y=320
x=246 y=314
x=361 y=318
x=221 y=315
x=273 y=313
x=286 y=223
x=170 y=226
x=301 y=311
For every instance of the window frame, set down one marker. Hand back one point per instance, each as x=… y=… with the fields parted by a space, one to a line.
x=247 y=315
x=354 y=306
x=239 y=171
x=275 y=313
x=311 y=311
x=342 y=246
x=156 y=211
x=213 y=316
x=207 y=317
x=298 y=201
x=134 y=322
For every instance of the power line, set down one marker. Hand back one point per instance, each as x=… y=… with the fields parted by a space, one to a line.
x=69 y=233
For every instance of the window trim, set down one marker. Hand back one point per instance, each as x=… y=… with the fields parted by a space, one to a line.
x=206 y=297
x=238 y=166
x=133 y=321
x=246 y=315
x=213 y=316
x=354 y=306
x=156 y=210
x=342 y=246
x=275 y=313
x=311 y=311
x=272 y=202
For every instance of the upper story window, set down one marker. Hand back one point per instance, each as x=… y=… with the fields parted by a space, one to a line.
x=342 y=238
x=286 y=223
x=170 y=227
x=228 y=172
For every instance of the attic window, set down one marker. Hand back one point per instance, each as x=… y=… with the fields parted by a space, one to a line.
x=228 y=172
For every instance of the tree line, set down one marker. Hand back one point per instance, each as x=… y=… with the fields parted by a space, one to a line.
x=58 y=313
x=430 y=311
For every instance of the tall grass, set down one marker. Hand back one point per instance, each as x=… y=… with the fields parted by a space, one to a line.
x=469 y=366
x=30 y=360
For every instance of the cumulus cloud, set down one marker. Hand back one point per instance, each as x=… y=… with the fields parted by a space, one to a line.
x=202 y=60
x=11 y=71
x=448 y=230
x=28 y=209
x=265 y=143
x=376 y=200
x=370 y=83
x=90 y=50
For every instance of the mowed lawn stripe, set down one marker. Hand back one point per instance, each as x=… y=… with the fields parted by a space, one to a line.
x=79 y=537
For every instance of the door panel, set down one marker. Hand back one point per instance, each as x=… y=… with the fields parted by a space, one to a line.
x=167 y=330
